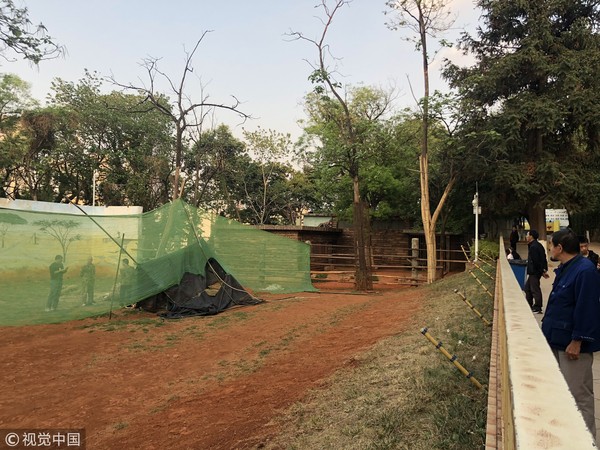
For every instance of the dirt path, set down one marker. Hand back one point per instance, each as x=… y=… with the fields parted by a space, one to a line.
x=212 y=382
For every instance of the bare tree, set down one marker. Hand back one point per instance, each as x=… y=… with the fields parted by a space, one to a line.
x=425 y=18
x=185 y=113
x=323 y=76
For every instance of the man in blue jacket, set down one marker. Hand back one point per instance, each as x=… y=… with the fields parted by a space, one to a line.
x=571 y=324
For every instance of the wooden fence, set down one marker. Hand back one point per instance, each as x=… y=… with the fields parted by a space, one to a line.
x=404 y=266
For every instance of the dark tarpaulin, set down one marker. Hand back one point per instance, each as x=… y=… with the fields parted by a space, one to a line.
x=198 y=295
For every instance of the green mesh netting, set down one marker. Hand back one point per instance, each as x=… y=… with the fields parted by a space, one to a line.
x=159 y=246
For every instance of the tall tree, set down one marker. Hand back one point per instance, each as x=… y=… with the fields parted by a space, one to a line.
x=347 y=133
x=268 y=148
x=263 y=191
x=533 y=94
x=425 y=18
x=389 y=163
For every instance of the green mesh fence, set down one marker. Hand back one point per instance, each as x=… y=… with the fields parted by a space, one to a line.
x=132 y=257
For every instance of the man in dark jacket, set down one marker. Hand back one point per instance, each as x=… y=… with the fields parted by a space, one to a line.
x=537 y=267
x=584 y=249
x=570 y=324
x=57 y=270
x=514 y=239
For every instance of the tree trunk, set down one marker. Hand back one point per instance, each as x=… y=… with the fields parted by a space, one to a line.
x=362 y=274
x=178 y=154
x=428 y=224
x=428 y=221
x=537 y=219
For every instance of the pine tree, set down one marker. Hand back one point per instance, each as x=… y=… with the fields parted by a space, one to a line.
x=533 y=96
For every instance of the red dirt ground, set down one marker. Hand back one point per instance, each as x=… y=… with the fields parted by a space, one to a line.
x=197 y=383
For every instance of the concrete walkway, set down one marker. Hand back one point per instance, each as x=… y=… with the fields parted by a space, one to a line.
x=546 y=284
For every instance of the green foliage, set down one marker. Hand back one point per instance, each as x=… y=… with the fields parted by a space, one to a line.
x=374 y=153
x=264 y=180
x=128 y=144
x=16 y=36
x=532 y=97
x=489 y=249
x=211 y=165
x=14 y=99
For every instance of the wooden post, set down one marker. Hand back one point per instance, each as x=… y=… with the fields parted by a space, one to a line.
x=414 y=245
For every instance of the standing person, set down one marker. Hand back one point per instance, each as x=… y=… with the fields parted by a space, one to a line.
x=57 y=270
x=88 y=280
x=126 y=279
x=514 y=238
x=584 y=249
x=537 y=267
x=570 y=324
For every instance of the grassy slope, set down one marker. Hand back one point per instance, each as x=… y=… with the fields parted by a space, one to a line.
x=404 y=393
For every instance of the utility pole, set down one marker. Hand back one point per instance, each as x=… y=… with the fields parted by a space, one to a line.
x=476 y=211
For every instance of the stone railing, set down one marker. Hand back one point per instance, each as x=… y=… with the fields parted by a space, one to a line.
x=529 y=404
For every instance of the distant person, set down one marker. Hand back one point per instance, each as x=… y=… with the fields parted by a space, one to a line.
x=584 y=249
x=514 y=239
x=570 y=324
x=57 y=270
x=537 y=267
x=127 y=279
x=88 y=280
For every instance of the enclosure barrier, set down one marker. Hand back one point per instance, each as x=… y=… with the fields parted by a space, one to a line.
x=452 y=358
x=487 y=291
x=407 y=267
x=529 y=404
x=470 y=305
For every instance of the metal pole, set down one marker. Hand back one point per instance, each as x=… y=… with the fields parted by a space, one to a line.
x=476 y=212
x=94 y=187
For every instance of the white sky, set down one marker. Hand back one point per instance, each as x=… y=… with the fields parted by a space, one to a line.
x=247 y=53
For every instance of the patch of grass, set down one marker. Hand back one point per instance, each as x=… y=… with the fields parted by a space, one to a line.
x=120 y=426
x=228 y=318
x=163 y=406
x=342 y=313
x=193 y=331
x=121 y=325
x=137 y=346
x=404 y=393
x=172 y=337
